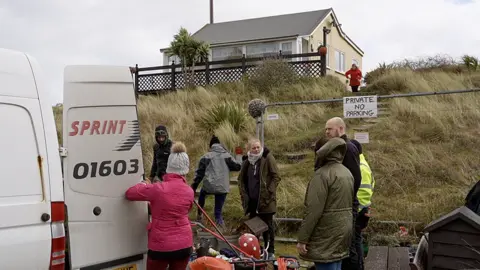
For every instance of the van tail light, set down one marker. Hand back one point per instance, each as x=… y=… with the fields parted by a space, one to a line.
x=57 y=256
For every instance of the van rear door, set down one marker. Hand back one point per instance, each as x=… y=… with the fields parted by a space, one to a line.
x=101 y=137
x=25 y=170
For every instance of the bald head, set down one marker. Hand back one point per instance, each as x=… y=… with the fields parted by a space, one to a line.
x=337 y=121
x=335 y=127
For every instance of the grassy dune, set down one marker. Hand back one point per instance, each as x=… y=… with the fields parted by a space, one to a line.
x=424 y=155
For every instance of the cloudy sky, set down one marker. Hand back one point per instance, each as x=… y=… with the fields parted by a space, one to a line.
x=121 y=32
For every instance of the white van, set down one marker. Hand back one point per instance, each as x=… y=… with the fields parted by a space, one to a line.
x=81 y=220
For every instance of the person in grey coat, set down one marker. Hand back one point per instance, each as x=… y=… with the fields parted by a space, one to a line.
x=214 y=169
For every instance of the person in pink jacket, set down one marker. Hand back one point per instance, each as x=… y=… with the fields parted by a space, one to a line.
x=170 y=238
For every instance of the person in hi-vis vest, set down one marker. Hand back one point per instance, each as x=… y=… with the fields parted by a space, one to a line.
x=365 y=192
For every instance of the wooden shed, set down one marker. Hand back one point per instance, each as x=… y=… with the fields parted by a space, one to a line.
x=454 y=241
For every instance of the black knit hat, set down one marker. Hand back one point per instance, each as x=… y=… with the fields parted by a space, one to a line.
x=214 y=140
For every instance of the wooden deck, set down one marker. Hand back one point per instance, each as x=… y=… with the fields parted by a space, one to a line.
x=391 y=258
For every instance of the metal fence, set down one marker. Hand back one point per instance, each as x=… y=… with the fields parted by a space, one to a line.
x=258 y=110
x=169 y=78
x=259 y=107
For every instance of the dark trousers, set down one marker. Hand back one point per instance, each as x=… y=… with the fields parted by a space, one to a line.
x=171 y=260
x=163 y=264
x=355 y=260
x=269 y=235
x=219 y=202
x=354 y=88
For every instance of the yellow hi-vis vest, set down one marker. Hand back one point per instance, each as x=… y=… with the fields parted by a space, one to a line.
x=365 y=191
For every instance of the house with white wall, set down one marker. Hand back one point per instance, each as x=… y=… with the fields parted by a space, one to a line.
x=295 y=33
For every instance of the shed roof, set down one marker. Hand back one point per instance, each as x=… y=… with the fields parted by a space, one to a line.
x=287 y=25
x=462 y=213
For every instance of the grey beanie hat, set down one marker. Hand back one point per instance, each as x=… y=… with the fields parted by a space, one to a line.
x=178 y=161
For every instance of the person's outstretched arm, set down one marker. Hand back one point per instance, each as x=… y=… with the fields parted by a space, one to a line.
x=200 y=172
x=232 y=164
x=141 y=192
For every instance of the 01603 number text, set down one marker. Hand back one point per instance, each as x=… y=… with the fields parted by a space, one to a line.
x=105 y=168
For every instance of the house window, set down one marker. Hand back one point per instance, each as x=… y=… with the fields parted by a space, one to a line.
x=339 y=61
x=173 y=58
x=286 y=48
x=226 y=53
x=262 y=49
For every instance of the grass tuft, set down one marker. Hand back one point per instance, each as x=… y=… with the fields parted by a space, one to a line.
x=225 y=113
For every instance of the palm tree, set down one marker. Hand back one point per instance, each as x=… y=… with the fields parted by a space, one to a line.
x=190 y=51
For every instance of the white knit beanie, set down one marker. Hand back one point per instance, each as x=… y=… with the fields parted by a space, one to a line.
x=178 y=161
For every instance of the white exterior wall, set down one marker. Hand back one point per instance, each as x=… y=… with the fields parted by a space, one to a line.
x=335 y=42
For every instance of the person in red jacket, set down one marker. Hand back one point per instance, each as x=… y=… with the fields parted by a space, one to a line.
x=170 y=237
x=355 y=77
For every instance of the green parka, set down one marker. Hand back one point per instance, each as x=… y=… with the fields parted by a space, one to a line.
x=327 y=227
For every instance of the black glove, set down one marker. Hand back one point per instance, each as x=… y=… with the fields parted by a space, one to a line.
x=244 y=157
x=194 y=186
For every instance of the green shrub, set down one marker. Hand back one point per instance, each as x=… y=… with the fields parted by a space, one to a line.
x=224 y=112
x=273 y=73
x=372 y=76
x=470 y=62
x=391 y=81
x=437 y=62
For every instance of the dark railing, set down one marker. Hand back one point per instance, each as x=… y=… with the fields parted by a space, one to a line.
x=169 y=78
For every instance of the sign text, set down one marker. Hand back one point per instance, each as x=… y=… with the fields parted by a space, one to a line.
x=97 y=127
x=360 y=107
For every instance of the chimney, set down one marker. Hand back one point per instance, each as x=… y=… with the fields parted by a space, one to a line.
x=211 y=11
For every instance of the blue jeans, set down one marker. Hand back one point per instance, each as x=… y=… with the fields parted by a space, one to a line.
x=329 y=266
x=219 y=202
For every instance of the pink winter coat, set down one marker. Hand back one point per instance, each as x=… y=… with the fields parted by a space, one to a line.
x=170 y=202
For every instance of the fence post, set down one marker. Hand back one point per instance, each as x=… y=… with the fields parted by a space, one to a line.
x=172 y=70
x=136 y=81
x=207 y=72
x=244 y=64
x=323 y=65
x=323 y=57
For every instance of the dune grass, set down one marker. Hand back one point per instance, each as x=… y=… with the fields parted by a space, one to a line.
x=424 y=155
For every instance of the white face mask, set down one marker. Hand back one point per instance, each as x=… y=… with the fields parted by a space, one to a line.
x=253 y=158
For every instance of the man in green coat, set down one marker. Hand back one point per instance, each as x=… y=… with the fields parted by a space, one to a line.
x=327 y=227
